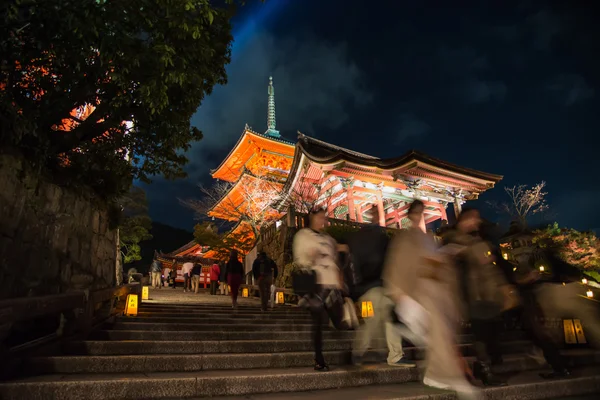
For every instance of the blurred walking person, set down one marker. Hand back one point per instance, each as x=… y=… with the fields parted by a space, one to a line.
x=235 y=272
x=196 y=271
x=482 y=289
x=316 y=253
x=223 y=286
x=264 y=270
x=422 y=284
x=186 y=270
x=368 y=249
x=155 y=272
x=215 y=271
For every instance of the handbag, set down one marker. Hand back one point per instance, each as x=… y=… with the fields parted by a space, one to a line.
x=304 y=281
x=350 y=320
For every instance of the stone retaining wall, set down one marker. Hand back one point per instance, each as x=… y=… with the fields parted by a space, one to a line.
x=52 y=240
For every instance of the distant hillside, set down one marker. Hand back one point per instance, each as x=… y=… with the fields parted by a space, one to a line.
x=165 y=238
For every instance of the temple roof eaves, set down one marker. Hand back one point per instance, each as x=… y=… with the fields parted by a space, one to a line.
x=322 y=152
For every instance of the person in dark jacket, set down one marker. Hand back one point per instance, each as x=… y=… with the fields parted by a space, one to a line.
x=196 y=271
x=482 y=284
x=368 y=249
x=264 y=270
x=235 y=272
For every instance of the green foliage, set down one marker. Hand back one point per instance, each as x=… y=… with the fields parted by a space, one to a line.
x=206 y=234
x=135 y=224
x=150 y=62
x=580 y=249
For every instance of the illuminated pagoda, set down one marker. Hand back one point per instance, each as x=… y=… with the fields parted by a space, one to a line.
x=258 y=160
x=349 y=184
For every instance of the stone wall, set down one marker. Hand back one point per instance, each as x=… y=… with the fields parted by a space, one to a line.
x=278 y=245
x=52 y=240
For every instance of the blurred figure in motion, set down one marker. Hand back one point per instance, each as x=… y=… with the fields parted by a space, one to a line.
x=483 y=290
x=235 y=272
x=317 y=252
x=567 y=301
x=529 y=284
x=196 y=271
x=422 y=284
x=264 y=270
x=368 y=248
x=215 y=272
x=223 y=286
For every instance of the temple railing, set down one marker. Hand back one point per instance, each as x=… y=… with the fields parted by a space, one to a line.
x=77 y=313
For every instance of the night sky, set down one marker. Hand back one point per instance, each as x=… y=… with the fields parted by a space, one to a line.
x=511 y=88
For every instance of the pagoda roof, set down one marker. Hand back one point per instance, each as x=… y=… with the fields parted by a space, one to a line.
x=225 y=171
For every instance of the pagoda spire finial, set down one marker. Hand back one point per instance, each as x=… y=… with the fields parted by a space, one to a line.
x=271 y=121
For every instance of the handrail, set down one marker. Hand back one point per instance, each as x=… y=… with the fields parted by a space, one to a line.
x=27 y=308
x=21 y=309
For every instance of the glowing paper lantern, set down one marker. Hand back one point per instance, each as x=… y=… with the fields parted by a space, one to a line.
x=131 y=305
x=366 y=309
x=245 y=292
x=145 y=293
x=279 y=299
x=569 y=329
x=584 y=281
x=590 y=294
x=542 y=268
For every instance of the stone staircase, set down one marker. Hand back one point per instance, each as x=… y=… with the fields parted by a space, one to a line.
x=173 y=351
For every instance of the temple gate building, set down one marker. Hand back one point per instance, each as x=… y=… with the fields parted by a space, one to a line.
x=347 y=183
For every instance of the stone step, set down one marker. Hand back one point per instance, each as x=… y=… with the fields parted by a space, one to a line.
x=253 y=382
x=199 y=315
x=140 y=333
x=215 y=320
x=198 y=362
x=222 y=309
x=526 y=385
x=182 y=326
x=233 y=346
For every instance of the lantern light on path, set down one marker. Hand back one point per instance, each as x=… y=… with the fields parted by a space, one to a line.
x=584 y=281
x=131 y=305
x=367 y=309
x=245 y=292
x=145 y=293
x=590 y=294
x=542 y=269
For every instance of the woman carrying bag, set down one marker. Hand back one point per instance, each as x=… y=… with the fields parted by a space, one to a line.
x=320 y=280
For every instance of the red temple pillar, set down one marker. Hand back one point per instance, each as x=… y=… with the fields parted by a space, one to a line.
x=350 y=198
x=457 y=207
x=380 y=209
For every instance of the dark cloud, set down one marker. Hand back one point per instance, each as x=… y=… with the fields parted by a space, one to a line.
x=315 y=85
x=571 y=89
x=480 y=91
x=545 y=26
x=411 y=126
x=462 y=60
